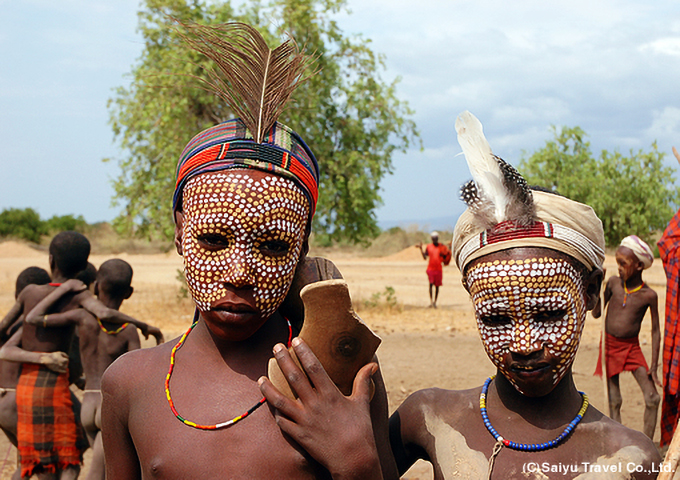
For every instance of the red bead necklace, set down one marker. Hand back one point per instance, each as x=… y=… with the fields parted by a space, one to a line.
x=217 y=425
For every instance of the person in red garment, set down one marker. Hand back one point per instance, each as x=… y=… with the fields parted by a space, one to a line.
x=438 y=254
x=668 y=244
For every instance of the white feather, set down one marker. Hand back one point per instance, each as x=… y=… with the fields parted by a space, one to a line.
x=483 y=166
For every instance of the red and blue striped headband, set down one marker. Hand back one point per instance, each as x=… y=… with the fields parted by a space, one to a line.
x=230 y=145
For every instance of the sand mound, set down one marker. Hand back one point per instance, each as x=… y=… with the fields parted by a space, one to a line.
x=13 y=249
x=409 y=254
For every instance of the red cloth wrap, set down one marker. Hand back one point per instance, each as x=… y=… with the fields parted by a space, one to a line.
x=49 y=437
x=623 y=354
x=668 y=250
x=435 y=277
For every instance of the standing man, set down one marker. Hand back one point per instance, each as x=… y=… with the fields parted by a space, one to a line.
x=438 y=253
x=669 y=245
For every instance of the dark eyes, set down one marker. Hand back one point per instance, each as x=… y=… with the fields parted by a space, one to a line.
x=550 y=316
x=213 y=241
x=217 y=241
x=274 y=247
x=540 y=317
x=496 y=320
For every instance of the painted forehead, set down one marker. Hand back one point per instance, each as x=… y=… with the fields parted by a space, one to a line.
x=254 y=195
x=540 y=275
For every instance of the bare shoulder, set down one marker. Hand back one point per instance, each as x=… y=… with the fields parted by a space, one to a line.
x=134 y=368
x=650 y=293
x=616 y=441
x=451 y=406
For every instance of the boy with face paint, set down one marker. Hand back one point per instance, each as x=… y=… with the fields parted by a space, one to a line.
x=628 y=298
x=243 y=205
x=533 y=269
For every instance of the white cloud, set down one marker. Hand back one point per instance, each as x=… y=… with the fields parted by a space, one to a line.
x=666 y=123
x=663 y=46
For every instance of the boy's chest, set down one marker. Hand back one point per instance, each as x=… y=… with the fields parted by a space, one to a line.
x=462 y=449
x=252 y=448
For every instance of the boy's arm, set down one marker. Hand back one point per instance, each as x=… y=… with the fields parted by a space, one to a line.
x=600 y=305
x=37 y=314
x=656 y=339
x=13 y=315
x=101 y=311
x=345 y=446
x=70 y=317
x=423 y=253
x=11 y=351
x=405 y=426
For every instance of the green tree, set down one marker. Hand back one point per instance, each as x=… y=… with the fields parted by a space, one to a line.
x=351 y=118
x=21 y=223
x=633 y=194
x=60 y=223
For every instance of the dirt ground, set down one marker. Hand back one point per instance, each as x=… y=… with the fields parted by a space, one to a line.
x=421 y=347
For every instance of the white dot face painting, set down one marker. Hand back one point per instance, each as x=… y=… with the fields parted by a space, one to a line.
x=530 y=314
x=242 y=230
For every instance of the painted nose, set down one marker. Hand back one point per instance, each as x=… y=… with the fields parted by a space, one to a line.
x=238 y=273
x=522 y=341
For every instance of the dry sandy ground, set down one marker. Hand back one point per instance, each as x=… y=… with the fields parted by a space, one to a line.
x=421 y=347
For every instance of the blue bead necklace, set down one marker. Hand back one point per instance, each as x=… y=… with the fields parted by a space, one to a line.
x=526 y=447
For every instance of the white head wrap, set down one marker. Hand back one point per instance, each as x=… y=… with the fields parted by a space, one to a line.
x=640 y=249
x=561 y=224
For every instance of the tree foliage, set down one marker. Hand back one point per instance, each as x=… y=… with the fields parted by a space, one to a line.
x=26 y=224
x=350 y=117
x=633 y=194
x=22 y=223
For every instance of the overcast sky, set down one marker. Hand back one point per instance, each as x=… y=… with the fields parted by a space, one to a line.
x=610 y=67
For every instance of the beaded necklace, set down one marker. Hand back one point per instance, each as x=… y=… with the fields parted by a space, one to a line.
x=172 y=404
x=526 y=447
x=535 y=447
x=627 y=292
x=112 y=332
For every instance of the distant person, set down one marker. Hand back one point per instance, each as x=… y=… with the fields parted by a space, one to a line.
x=438 y=254
x=629 y=298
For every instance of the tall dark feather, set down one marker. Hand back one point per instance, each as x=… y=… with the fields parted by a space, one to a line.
x=255 y=81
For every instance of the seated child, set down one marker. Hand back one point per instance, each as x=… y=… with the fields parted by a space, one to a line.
x=243 y=205
x=44 y=399
x=531 y=262
x=629 y=298
x=100 y=342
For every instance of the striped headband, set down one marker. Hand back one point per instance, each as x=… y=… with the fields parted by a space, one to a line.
x=561 y=224
x=230 y=145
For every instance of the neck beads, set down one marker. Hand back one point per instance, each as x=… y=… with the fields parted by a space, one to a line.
x=526 y=447
x=217 y=425
x=627 y=292
x=111 y=332
x=535 y=447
